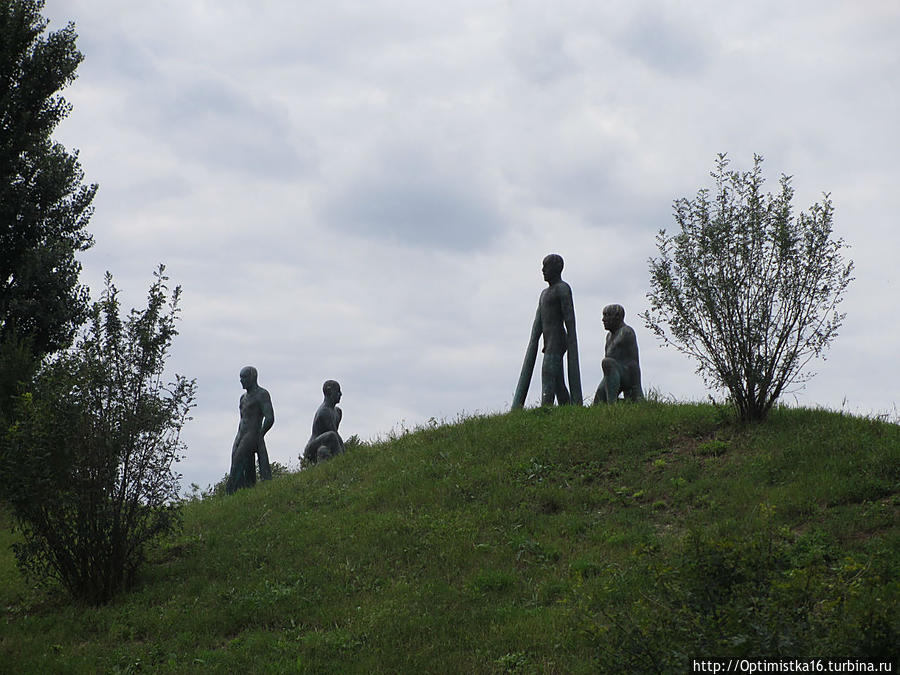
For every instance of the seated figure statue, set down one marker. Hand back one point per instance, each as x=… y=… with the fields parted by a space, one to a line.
x=621 y=369
x=325 y=442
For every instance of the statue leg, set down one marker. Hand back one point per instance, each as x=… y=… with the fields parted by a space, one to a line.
x=332 y=440
x=634 y=393
x=237 y=478
x=243 y=467
x=325 y=446
x=562 y=394
x=235 y=474
x=249 y=470
x=637 y=392
x=600 y=396
x=309 y=452
x=632 y=390
x=553 y=382
x=548 y=385
x=232 y=470
x=231 y=483
x=612 y=379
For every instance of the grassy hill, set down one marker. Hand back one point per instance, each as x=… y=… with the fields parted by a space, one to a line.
x=629 y=538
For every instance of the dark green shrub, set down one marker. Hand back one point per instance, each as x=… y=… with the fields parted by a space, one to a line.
x=87 y=464
x=769 y=596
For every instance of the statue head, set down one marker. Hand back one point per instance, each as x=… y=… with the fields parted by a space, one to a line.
x=248 y=376
x=332 y=391
x=552 y=267
x=613 y=317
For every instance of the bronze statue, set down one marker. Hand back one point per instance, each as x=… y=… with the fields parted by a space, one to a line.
x=257 y=417
x=555 y=321
x=621 y=369
x=325 y=442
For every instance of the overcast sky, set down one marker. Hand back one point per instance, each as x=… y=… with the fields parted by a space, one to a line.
x=364 y=191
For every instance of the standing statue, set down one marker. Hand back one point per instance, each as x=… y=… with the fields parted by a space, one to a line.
x=257 y=417
x=555 y=320
x=325 y=442
x=621 y=370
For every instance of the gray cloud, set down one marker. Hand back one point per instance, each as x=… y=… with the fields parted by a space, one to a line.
x=415 y=212
x=659 y=41
x=213 y=122
x=414 y=198
x=366 y=191
x=536 y=41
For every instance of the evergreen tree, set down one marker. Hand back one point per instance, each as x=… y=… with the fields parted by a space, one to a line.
x=44 y=206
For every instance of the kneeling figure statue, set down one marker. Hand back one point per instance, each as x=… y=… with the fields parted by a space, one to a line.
x=325 y=442
x=621 y=370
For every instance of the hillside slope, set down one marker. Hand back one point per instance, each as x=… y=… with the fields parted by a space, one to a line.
x=633 y=537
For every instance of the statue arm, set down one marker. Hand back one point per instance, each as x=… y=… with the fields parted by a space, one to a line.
x=322 y=422
x=268 y=414
x=568 y=311
x=338 y=415
x=528 y=363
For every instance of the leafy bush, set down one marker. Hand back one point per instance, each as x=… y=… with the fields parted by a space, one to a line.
x=88 y=461
x=747 y=289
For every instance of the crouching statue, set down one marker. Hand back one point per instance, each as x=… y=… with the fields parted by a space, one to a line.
x=621 y=370
x=325 y=442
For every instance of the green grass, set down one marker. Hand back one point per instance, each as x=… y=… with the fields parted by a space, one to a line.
x=628 y=538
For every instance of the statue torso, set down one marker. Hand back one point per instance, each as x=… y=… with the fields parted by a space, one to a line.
x=327 y=419
x=553 y=317
x=251 y=409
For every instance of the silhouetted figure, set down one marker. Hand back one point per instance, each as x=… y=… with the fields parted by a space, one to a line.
x=325 y=442
x=257 y=417
x=621 y=369
x=555 y=321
